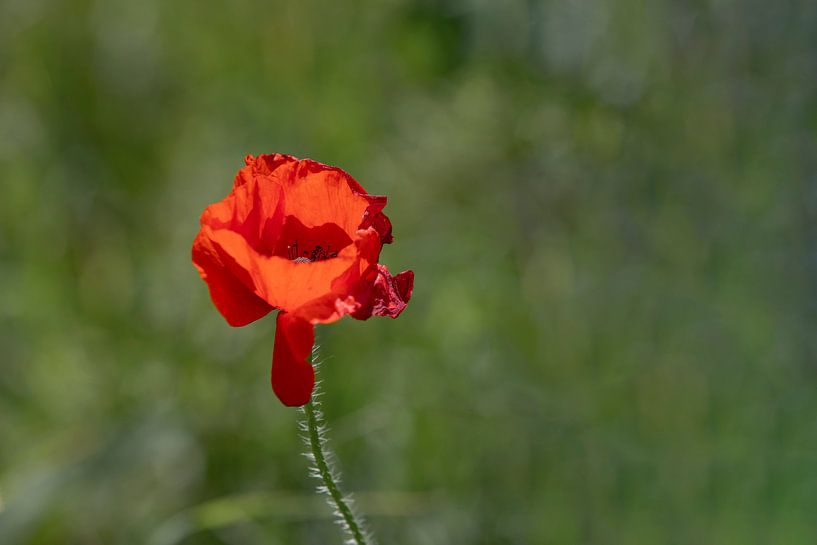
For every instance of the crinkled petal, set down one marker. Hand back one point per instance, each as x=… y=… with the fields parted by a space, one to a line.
x=292 y=375
x=231 y=296
x=389 y=295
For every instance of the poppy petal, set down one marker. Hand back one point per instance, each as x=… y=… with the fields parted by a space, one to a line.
x=237 y=303
x=315 y=193
x=319 y=194
x=389 y=296
x=254 y=209
x=292 y=376
x=289 y=285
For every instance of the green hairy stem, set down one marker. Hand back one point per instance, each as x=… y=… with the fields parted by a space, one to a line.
x=322 y=468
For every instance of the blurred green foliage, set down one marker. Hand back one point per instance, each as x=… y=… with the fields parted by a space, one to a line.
x=610 y=208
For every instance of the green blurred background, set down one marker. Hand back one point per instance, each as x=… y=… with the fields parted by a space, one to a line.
x=610 y=208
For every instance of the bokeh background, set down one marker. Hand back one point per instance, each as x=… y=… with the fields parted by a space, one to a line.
x=610 y=208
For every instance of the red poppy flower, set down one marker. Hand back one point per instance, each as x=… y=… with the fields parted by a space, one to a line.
x=304 y=238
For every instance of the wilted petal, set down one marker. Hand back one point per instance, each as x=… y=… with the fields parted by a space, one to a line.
x=389 y=296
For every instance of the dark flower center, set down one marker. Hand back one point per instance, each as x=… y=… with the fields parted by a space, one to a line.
x=318 y=253
x=302 y=244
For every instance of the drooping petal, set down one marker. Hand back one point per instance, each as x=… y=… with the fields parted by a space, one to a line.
x=292 y=375
x=236 y=302
x=389 y=295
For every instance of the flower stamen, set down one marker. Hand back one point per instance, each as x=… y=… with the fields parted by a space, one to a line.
x=317 y=254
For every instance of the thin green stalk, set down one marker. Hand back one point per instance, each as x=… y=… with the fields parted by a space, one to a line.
x=323 y=469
